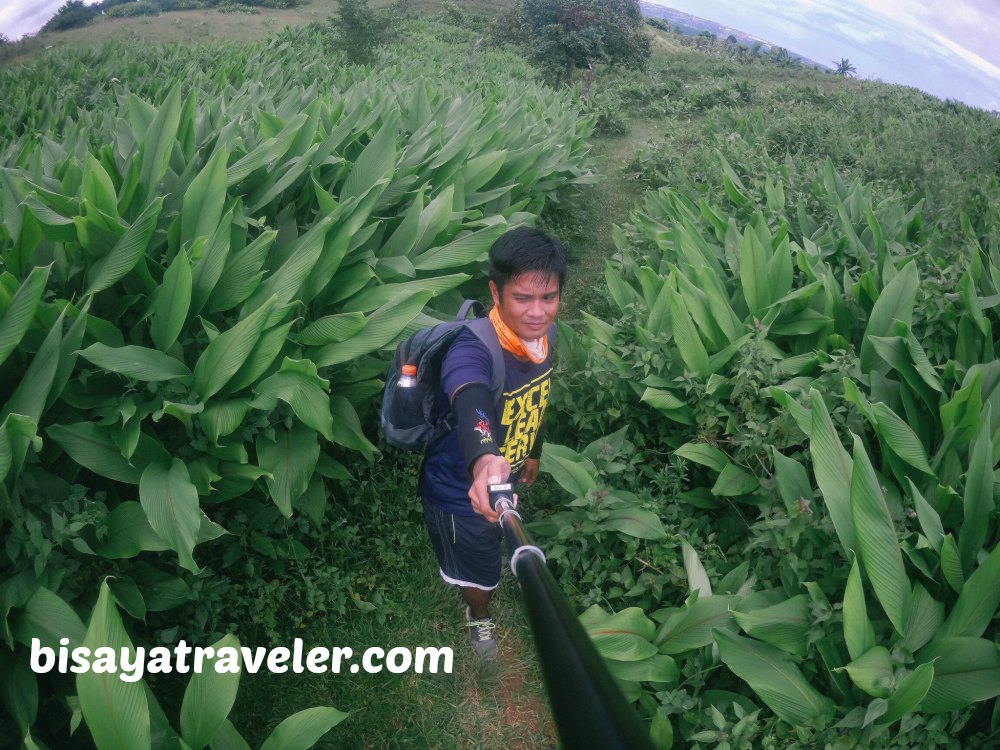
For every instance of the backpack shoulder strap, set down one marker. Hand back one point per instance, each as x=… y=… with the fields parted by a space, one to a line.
x=484 y=331
x=470 y=304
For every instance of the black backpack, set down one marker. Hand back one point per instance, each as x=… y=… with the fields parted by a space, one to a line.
x=413 y=418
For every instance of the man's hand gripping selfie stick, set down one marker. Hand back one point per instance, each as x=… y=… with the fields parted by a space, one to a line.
x=589 y=709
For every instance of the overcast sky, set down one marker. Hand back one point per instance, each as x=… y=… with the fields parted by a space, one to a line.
x=948 y=48
x=20 y=17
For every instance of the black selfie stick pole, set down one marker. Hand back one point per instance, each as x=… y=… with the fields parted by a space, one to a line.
x=589 y=709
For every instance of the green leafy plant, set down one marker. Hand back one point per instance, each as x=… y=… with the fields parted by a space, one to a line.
x=197 y=294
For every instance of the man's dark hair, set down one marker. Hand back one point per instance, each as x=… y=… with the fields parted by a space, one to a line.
x=526 y=250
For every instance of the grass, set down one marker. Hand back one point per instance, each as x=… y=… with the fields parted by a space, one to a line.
x=481 y=704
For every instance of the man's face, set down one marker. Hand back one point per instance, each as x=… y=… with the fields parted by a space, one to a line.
x=528 y=303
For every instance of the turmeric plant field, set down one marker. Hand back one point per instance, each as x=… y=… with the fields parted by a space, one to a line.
x=769 y=483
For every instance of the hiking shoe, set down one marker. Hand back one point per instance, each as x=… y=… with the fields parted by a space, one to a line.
x=481 y=633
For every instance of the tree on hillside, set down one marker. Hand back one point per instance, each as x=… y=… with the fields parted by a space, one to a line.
x=844 y=67
x=563 y=35
x=358 y=30
x=71 y=15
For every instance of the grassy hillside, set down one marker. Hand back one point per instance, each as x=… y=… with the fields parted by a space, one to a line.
x=707 y=162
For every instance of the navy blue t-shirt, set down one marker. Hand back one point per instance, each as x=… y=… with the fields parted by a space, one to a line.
x=445 y=479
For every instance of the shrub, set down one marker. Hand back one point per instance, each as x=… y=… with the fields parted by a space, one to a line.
x=133 y=9
x=70 y=16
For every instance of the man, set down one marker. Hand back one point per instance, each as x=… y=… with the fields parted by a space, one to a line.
x=493 y=442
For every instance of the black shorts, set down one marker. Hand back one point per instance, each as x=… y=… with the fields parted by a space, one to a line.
x=467 y=547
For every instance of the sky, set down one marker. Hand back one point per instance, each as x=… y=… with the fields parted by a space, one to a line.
x=948 y=48
x=20 y=17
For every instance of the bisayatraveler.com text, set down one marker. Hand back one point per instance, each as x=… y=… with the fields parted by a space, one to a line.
x=131 y=664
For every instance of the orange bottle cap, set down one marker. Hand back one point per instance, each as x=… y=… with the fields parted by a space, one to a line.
x=409 y=370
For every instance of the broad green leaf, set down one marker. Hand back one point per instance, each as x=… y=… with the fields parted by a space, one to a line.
x=704 y=454
x=859 y=634
x=136 y=362
x=872 y=672
x=754 y=260
x=661 y=732
x=219 y=419
x=347 y=430
x=228 y=351
x=696 y=576
x=877 y=541
x=951 y=563
x=377 y=161
x=834 y=469
x=129 y=533
x=978 y=494
x=331 y=328
x=127 y=253
x=262 y=356
x=732 y=184
x=205 y=199
x=265 y=152
x=71 y=343
x=382 y=327
x=977 y=604
x=115 y=710
x=571 y=475
x=303 y=254
x=211 y=693
x=930 y=521
x=158 y=142
x=227 y=738
x=775 y=678
x=966 y=670
x=662 y=400
x=657 y=668
x=19 y=691
x=32 y=393
x=801 y=415
x=210 y=263
x=689 y=343
x=625 y=635
x=241 y=275
x=637 y=522
x=17 y=433
x=691 y=626
x=172 y=303
x=465 y=250
x=98 y=190
x=793 y=482
x=298 y=384
x=901 y=438
x=47 y=617
x=91 y=446
x=290 y=459
x=17 y=317
x=302 y=730
x=894 y=303
x=434 y=219
x=923 y=621
x=161 y=590
x=170 y=501
x=734 y=481
x=784 y=625
x=907 y=696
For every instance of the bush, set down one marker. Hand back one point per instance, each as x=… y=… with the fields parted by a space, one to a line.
x=131 y=10
x=72 y=15
x=358 y=31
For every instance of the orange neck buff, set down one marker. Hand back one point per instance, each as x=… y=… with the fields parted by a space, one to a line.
x=536 y=351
